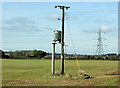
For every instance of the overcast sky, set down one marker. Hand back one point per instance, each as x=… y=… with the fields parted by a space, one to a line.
x=30 y=25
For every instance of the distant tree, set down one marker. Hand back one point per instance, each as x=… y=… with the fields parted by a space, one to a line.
x=2 y=54
x=11 y=54
x=37 y=54
x=33 y=53
x=41 y=54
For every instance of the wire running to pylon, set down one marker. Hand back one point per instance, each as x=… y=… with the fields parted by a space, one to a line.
x=72 y=42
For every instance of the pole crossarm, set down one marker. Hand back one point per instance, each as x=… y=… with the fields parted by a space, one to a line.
x=61 y=7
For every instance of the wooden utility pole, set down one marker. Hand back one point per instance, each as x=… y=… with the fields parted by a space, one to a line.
x=62 y=38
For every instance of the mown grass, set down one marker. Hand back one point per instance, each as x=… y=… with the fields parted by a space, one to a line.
x=38 y=73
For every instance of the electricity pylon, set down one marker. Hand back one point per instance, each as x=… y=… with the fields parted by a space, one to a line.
x=99 y=50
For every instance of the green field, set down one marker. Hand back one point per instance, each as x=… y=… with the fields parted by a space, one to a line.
x=38 y=73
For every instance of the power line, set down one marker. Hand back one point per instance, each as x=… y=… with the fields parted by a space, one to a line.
x=73 y=44
x=70 y=34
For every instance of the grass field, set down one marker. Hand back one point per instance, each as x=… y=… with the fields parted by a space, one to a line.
x=38 y=73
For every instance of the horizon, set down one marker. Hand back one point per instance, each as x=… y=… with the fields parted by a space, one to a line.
x=56 y=52
x=30 y=26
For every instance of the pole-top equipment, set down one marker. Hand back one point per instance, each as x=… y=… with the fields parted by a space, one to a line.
x=61 y=7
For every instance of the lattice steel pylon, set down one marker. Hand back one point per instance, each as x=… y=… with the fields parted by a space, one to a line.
x=99 y=50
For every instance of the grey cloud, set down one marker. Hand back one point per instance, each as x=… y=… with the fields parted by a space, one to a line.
x=107 y=29
x=49 y=28
x=103 y=29
x=103 y=20
x=72 y=18
x=90 y=31
x=20 y=24
x=20 y=20
x=53 y=17
x=21 y=28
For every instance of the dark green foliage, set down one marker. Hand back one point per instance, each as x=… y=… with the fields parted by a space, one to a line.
x=1 y=54
x=38 y=54
x=85 y=57
x=24 y=54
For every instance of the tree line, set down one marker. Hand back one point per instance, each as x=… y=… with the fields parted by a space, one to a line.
x=85 y=57
x=23 y=54
x=38 y=54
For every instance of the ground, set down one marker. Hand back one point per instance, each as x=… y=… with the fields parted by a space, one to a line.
x=38 y=73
